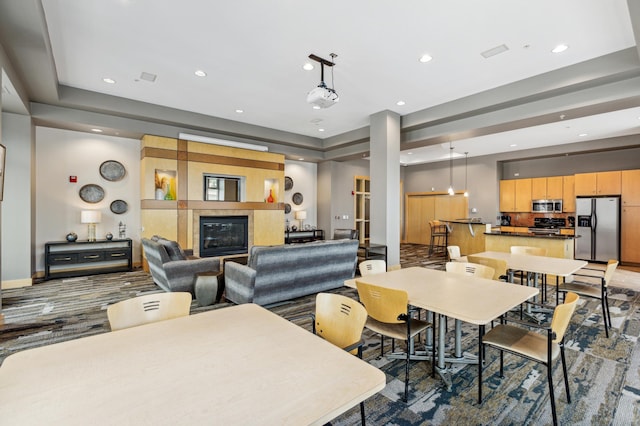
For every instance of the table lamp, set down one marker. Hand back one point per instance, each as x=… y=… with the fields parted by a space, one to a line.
x=90 y=217
x=301 y=215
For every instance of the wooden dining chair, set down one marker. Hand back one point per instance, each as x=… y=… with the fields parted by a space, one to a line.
x=593 y=285
x=148 y=308
x=340 y=320
x=454 y=254
x=499 y=266
x=538 y=347
x=389 y=315
x=468 y=268
x=372 y=266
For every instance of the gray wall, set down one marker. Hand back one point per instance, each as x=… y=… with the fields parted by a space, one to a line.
x=18 y=207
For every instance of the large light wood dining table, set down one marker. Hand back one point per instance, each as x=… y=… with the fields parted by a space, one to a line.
x=467 y=298
x=240 y=365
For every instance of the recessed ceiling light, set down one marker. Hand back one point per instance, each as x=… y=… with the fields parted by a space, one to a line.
x=200 y=73
x=316 y=107
x=400 y=103
x=239 y=111
x=96 y=130
x=513 y=144
x=109 y=80
x=321 y=130
x=583 y=135
x=300 y=159
x=425 y=58
x=409 y=153
x=560 y=48
x=308 y=66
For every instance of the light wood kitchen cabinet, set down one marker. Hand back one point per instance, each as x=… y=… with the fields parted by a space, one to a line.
x=546 y=188
x=630 y=187
x=508 y=195
x=515 y=195
x=601 y=183
x=630 y=234
x=523 y=195
x=568 y=194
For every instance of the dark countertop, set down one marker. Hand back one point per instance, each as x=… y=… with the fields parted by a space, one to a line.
x=532 y=235
x=466 y=221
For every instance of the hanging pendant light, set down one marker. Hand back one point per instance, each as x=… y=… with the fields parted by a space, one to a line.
x=466 y=187
x=450 y=191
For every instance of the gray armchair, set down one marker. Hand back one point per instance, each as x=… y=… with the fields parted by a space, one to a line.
x=346 y=234
x=175 y=272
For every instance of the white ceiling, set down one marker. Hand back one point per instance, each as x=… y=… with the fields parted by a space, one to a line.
x=253 y=52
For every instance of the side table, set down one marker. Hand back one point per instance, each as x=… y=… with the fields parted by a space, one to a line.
x=206 y=288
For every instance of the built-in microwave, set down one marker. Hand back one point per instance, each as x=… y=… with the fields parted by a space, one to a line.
x=546 y=206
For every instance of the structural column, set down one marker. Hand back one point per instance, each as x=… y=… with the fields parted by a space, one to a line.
x=385 y=183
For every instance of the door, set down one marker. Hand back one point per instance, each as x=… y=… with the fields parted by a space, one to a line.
x=607 y=238
x=583 y=228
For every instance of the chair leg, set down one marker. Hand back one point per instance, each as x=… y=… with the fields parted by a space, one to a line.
x=480 y=361
x=502 y=364
x=551 y=396
x=605 y=317
x=362 y=414
x=564 y=371
x=406 y=375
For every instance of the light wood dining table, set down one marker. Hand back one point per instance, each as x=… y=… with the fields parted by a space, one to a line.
x=537 y=265
x=467 y=298
x=240 y=365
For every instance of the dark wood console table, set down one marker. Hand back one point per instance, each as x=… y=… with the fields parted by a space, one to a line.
x=303 y=236
x=63 y=259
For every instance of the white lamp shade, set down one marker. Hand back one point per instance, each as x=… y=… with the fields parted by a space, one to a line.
x=90 y=216
x=301 y=215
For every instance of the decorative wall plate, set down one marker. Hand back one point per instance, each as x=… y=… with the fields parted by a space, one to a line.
x=91 y=193
x=288 y=183
x=287 y=208
x=112 y=170
x=297 y=198
x=119 y=206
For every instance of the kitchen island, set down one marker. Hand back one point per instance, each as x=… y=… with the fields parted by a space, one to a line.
x=557 y=245
x=468 y=234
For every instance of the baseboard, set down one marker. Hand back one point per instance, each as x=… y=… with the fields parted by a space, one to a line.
x=24 y=282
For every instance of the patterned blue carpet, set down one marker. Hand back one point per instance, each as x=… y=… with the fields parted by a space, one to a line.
x=604 y=373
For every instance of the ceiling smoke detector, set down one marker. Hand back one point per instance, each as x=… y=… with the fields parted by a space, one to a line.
x=323 y=96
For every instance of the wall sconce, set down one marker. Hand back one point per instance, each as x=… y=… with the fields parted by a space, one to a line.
x=466 y=187
x=91 y=217
x=301 y=215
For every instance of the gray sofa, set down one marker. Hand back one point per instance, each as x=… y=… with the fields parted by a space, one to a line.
x=171 y=269
x=277 y=273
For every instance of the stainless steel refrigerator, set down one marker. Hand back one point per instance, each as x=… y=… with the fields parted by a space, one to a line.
x=597 y=228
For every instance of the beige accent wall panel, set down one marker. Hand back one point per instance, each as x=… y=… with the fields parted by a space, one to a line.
x=268 y=227
x=160 y=222
x=226 y=151
x=255 y=180
x=150 y=141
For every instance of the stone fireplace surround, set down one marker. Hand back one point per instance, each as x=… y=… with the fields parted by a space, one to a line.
x=220 y=212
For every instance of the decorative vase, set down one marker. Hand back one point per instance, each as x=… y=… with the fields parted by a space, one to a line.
x=270 y=198
x=159 y=194
x=72 y=237
x=109 y=236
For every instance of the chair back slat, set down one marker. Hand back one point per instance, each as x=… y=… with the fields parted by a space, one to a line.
x=339 y=319
x=562 y=315
x=469 y=268
x=454 y=252
x=372 y=266
x=148 y=308
x=499 y=265
x=382 y=303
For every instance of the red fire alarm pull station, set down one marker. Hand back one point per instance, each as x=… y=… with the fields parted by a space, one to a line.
x=73 y=179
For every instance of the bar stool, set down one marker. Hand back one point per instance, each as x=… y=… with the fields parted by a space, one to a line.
x=439 y=236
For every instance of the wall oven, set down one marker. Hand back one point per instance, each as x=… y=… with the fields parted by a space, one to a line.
x=546 y=206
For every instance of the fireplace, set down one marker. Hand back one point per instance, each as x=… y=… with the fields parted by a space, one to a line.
x=223 y=235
